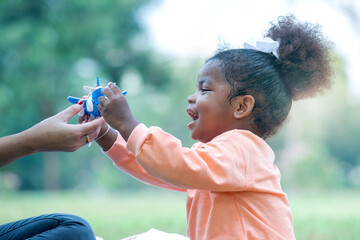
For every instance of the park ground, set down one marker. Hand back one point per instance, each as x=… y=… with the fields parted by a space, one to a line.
x=329 y=215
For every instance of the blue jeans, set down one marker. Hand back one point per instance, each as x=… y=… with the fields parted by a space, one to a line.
x=48 y=226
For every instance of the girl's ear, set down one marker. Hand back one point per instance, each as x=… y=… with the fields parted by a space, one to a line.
x=243 y=106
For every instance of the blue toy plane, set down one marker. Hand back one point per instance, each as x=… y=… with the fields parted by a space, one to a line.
x=91 y=103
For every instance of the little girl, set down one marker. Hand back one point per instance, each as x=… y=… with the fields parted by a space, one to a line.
x=242 y=97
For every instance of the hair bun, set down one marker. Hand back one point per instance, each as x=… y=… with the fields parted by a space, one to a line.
x=304 y=57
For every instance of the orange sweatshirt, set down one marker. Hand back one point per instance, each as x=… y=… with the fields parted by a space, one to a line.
x=233 y=187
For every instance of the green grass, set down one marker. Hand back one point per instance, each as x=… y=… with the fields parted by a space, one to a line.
x=112 y=216
x=326 y=215
x=316 y=215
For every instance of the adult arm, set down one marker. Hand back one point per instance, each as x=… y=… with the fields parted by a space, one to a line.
x=52 y=134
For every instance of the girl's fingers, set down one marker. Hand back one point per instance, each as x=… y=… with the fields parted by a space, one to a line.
x=81 y=120
x=108 y=92
x=102 y=100
x=101 y=108
x=116 y=90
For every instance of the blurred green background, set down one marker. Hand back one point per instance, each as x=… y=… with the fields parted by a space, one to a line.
x=49 y=49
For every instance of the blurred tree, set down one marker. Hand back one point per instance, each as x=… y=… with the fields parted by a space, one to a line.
x=49 y=49
x=331 y=124
x=317 y=148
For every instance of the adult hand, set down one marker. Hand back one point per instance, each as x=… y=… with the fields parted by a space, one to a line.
x=116 y=111
x=52 y=134
x=55 y=134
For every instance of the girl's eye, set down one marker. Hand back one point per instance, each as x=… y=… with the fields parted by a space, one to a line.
x=203 y=90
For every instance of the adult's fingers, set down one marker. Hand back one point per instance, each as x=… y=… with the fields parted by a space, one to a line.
x=88 y=138
x=85 y=140
x=93 y=126
x=90 y=130
x=69 y=112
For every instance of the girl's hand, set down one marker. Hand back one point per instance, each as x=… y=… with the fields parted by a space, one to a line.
x=116 y=111
x=106 y=137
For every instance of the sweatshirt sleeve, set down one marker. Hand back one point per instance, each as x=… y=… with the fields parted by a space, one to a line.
x=219 y=165
x=125 y=160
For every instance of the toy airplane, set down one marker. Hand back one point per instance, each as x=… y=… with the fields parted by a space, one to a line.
x=91 y=103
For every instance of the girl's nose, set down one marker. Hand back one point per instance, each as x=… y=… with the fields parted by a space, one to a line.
x=191 y=99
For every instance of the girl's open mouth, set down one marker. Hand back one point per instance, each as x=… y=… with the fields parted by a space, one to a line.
x=192 y=114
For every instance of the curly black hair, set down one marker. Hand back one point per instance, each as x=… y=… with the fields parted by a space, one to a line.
x=302 y=70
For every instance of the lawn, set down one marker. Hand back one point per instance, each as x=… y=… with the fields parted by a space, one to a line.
x=317 y=215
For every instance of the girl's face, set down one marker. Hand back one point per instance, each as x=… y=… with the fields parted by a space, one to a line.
x=209 y=107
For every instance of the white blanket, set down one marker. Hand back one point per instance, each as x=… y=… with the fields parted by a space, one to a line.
x=154 y=234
